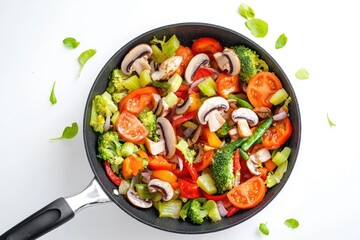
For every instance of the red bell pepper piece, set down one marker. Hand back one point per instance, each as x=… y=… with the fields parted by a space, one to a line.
x=111 y=175
x=214 y=197
x=236 y=160
x=184 y=118
x=189 y=189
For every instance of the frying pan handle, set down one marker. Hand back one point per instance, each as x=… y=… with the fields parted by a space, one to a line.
x=56 y=213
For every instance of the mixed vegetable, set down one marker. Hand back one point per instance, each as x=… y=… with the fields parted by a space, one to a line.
x=198 y=132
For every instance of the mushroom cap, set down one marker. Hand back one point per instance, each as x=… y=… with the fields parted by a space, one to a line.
x=167 y=68
x=197 y=61
x=168 y=133
x=228 y=60
x=135 y=199
x=245 y=113
x=209 y=105
x=141 y=51
x=165 y=188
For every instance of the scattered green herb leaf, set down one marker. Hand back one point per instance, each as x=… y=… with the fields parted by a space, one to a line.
x=246 y=11
x=52 y=95
x=302 y=74
x=330 y=122
x=263 y=228
x=281 y=41
x=257 y=27
x=69 y=132
x=84 y=57
x=291 y=223
x=71 y=42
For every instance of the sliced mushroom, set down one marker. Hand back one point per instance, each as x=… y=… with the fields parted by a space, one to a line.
x=228 y=60
x=184 y=105
x=137 y=59
x=199 y=154
x=135 y=199
x=209 y=112
x=166 y=190
x=162 y=108
x=167 y=132
x=167 y=68
x=243 y=128
x=155 y=148
x=261 y=155
x=155 y=102
x=195 y=63
x=245 y=113
x=253 y=168
x=262 y=112
x=234 y=134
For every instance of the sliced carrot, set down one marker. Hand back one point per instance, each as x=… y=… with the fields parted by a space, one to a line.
x=270 y=165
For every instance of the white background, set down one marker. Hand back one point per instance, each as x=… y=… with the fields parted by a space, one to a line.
x=323 y=190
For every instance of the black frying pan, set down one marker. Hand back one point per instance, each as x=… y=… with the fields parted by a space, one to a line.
x=101 y=189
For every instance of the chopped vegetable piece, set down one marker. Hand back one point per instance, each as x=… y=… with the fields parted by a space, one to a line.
x=274 y=178
x=213 y=213
x=52 y=95
x=281 y=41
x=291 y=223
x=257 y=27
x=208 y=87
x=302 y=74
x=257 y=134
x=264 y=229
x=69 y=132
x=130 y=128
x=246 y=11
x=84 y=57
x=279 y=96
x=170 y=209
x=277 y=134
x=282 y=156
x=71 y=42
x=330 y=122
x=206 y=183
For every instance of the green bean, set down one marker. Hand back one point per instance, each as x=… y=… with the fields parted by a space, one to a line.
x=233 y=145
x=257 y=134
x=240 y=101
x=243 y=154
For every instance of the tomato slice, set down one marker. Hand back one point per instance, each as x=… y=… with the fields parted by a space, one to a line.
x=206 y=45
x=248 y=194
x=277 y=134
x=226 y=84
x=130 y=128
x=138 y=99
x=261 y=87
x=187 y=55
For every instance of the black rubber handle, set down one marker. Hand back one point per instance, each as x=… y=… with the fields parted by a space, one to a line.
x=41 y=222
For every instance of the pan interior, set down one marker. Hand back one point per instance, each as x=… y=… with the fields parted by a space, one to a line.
x=186 y=33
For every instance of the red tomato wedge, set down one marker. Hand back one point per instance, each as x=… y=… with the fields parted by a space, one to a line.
x=206 y=45
x=277 y=134
x=187 y=55
x=248 y=194
x=130 y=128
x=261 y=87
x=137 y=100
x=226 y=84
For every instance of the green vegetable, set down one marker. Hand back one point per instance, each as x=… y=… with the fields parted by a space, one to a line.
x=145 y=78
x=109 y=147
x=264 y=229
x=257 y=134
x=71 y=42
x=170 y=209
x=142 y=190
x=281 y=156
x=102 y=107
x=128 y=148
x=196 y=213
x=330 y=122
x=97 y=121
x=189 y=154
x=206 y=183
x=148 y=119
x=224 y=130
x=84 y=57
x=171 y=99
x=132 y=83
x=274 y=178
x=246 y=11
x=208 y=87
x=116 y=85
x=281 y=41
x=250 y=62
x=257 y=27
x=241 y=102
x=291 y=223
x=163 y=85
x=184 y=210
x=212 y=209
x=52 y=95
x=302 y=74
x=168 y=48
x=174 y=82
x=69 y=132
x=279 y=96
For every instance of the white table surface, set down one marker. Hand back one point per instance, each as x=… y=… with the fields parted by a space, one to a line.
x=323 y=190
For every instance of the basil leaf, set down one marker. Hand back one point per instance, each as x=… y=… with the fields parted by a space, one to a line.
x=281 y=41
x=84 y=57
x=264 y=229
x=291 y=223
x=52 y=95
x=302 y=74
x=69 y=132
x=258 y=27
x=330 y=122
x=246 y=11
x=71 y=42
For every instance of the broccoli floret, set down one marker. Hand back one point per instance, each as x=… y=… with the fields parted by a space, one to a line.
x=222 y=169
x=224 y=130
x=116 y=87
x=250 y=62
x=102 y=107
x=148 y=119
x=196 y=213
x=109 y=147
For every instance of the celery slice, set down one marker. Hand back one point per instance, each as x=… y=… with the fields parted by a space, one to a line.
x=145 y=78
x=208 y=87
x=282 y=156
x=171 y=99
x=132 y=83
x=175 y=82
x=279 y=96
x=274 y=178
x=206 y=183
x=170 y=209
x=170 y=46
x=213 y=212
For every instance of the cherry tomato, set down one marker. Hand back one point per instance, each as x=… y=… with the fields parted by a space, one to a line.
x=226 y=84
x=261 y=87
x=137 y=100
x=277 y=134
x=130 y=128
x=206 y=45
x=248 y=194
x=187 y=55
